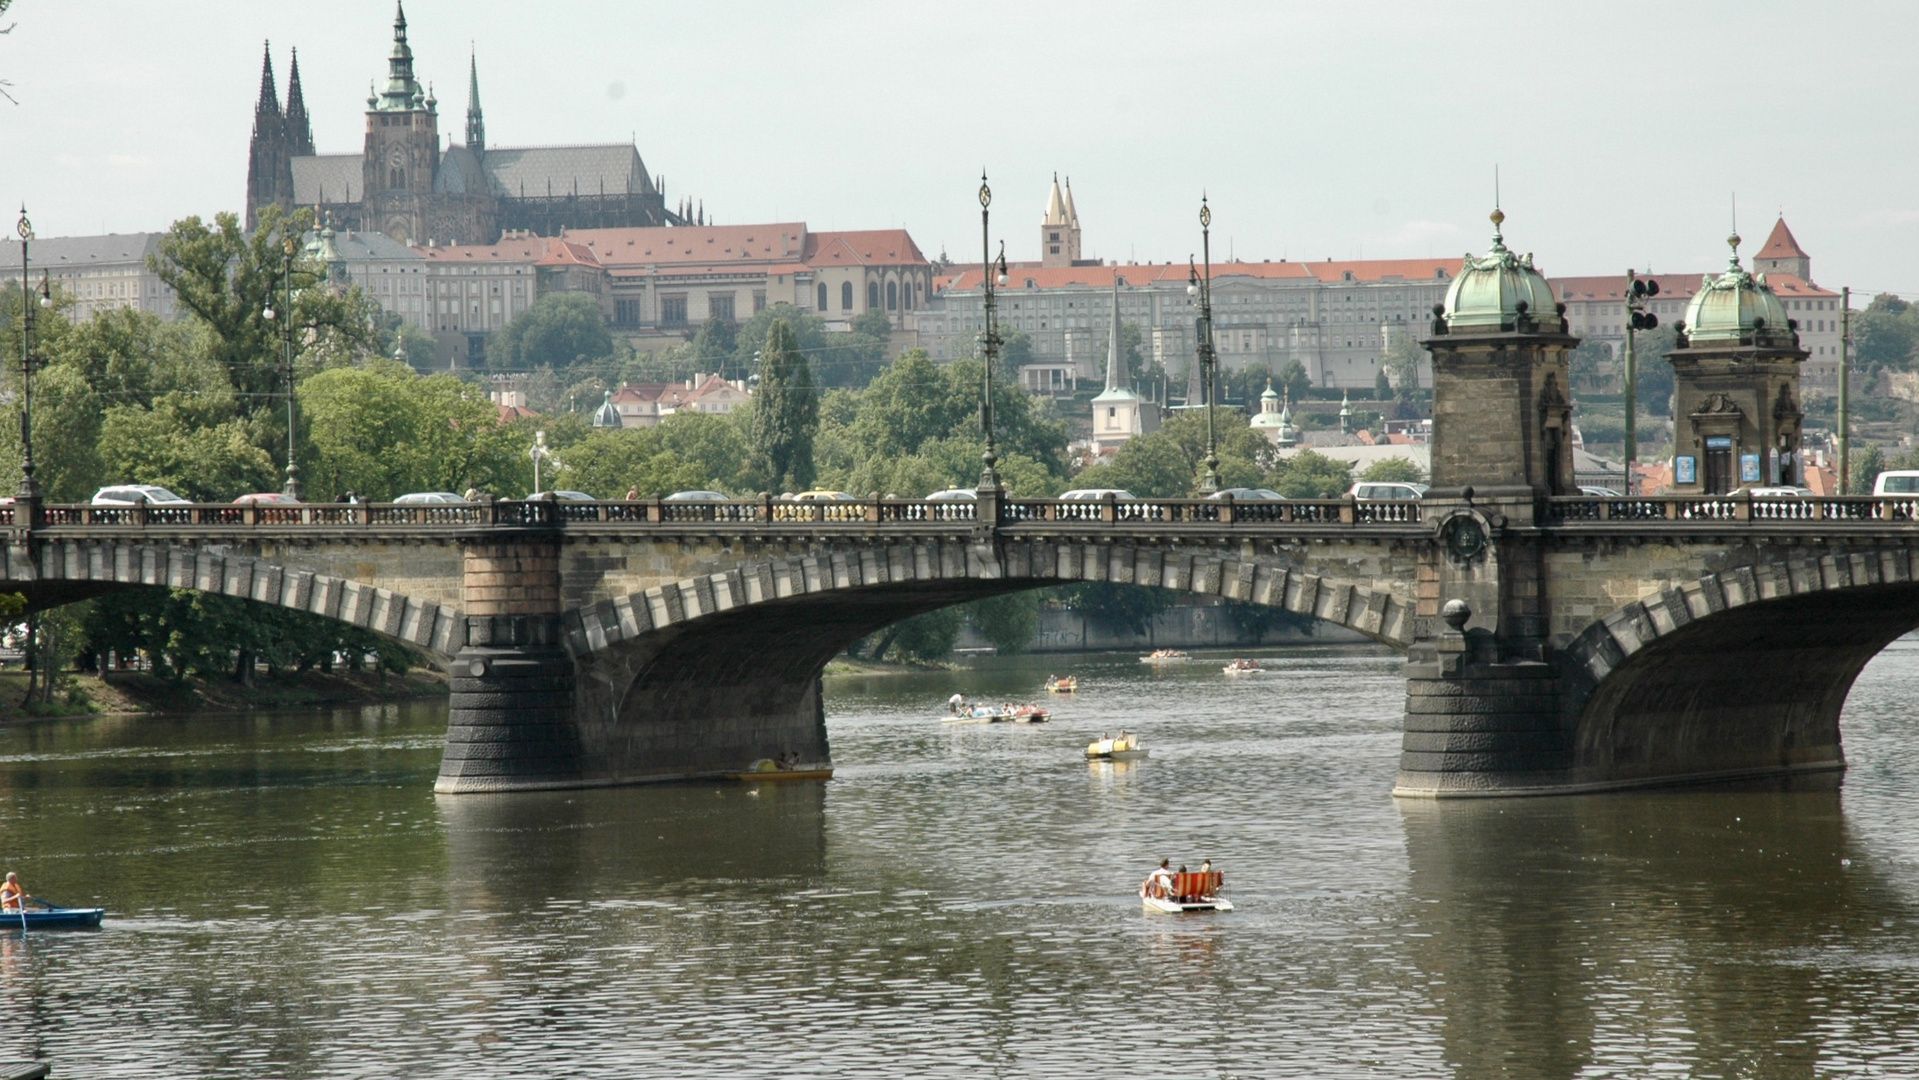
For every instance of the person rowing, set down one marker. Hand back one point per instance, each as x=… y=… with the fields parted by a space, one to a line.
x=13 y=896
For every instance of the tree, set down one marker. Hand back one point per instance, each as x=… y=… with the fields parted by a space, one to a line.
x=1015 y=352
x=1392 y=470
x=1129 y=608
x=1885 y=333
x=1653 y=383
x=1588 y=363
x=714 y=347
x=382 y=431
x=785 y=413
x=1310 y=475
x=1292 y=381
x=561 y=331
x=1149 y=466
x=924 y=638
x=1866 y=468
x=1400 y=363
x=1008 y=621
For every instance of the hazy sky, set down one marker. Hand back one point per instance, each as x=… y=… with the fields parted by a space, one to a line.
x=1342 y=129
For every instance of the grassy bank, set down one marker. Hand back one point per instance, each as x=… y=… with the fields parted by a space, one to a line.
x=132 y=692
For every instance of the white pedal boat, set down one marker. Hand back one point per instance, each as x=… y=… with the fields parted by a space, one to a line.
x=1176 y=894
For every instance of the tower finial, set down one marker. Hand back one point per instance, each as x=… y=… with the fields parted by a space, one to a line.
x=1733 y=240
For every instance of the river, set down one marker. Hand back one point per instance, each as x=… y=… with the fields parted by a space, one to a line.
x=288 y=898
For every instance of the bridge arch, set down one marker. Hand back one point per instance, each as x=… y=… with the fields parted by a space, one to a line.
x=1740 y=672
x=67 y=572
x=697 y=675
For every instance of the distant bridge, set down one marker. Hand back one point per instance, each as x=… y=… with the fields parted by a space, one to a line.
x=611 y=642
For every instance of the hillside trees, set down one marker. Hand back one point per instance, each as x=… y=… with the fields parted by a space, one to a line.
x=786 y=413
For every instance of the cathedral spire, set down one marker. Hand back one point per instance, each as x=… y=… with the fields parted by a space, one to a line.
x=299 y=128
x=269 y=103
x=475 y=123
x=402 y=89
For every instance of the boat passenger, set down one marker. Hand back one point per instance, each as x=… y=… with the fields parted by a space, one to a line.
x=1160 y=882
x=955 y=703
x=12 y=894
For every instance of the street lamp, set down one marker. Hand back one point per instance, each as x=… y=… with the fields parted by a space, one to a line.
x=292 y=487
x=539 y=453
x=1638 y=291
x=989 y=341
x=1202 y=287
x=29 y=487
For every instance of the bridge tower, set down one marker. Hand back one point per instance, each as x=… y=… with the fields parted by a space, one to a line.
x=1482 y=705
x=1735 y=387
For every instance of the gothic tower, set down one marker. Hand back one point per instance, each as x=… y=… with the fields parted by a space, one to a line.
x=401 y=159
x=475 y=123
x=269 y=162
x=299 y=128
x=1059 y=230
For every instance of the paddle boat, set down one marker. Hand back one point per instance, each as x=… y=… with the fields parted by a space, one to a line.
x=775 y=769
x=999 y=714
x=1165 y=656
x=1178 y=893
x=1244 y=667
x=1122 y=747
x=1057 y=685
x=51 y=917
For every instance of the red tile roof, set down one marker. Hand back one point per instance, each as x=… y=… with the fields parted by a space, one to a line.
x=1364 y=270
x=870 y=247
x=700 y=245
x=1611 y=288
x=1780 y=245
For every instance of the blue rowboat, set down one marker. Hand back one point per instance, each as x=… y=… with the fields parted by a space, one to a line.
x=52 y=918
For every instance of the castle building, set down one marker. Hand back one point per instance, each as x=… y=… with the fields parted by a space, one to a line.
x=1059 y=229
x=405 y=183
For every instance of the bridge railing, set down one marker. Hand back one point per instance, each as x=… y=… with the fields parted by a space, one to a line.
x=1205 y=511
x=1740 y=507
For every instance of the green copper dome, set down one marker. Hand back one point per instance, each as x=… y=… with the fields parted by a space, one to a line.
x=1736 y=308
x=1489 y=291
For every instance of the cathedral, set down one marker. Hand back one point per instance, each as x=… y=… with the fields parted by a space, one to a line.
x=406 y=184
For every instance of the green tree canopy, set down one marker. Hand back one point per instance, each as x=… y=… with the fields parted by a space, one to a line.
x=785 y=413
x=1391 y=470
x=562 y=331
x=382 y=431
x=1310 y=475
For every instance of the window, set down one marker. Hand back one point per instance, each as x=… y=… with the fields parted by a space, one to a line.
x=846 y=296
x=872 y=295
x=626 y=312
x=672 y=311
x=822 y=296
x=892 y=296
x=759 y=302
x=720 y=306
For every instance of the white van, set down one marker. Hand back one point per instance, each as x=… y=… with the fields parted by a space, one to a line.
x=1897 y=482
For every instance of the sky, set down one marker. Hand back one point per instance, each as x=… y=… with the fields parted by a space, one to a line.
x=1623 y=135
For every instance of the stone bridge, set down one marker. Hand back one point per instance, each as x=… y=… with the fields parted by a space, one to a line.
x=1556 y=640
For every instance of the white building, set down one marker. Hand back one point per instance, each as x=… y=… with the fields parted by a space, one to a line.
x=100 y=273
x=1119 y=413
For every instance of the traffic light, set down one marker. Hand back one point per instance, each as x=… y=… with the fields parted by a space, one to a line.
x=1642 y=290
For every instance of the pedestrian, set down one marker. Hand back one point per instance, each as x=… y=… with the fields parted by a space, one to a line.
x=633 y=494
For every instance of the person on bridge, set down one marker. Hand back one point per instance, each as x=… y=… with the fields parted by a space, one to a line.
x=12 y=894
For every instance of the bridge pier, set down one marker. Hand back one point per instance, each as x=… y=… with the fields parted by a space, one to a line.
x=512 y=724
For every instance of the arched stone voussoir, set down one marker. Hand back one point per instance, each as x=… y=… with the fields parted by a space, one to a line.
x=74 y=570
x=976 y=571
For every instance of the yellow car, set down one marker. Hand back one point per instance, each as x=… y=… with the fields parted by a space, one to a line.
x=836 y=506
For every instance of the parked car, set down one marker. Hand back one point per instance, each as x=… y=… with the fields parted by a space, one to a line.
x=1897 y=482
x=267 y=498
x=565 y=496
x=1777 y=491
x=1096 y=494
x=1249 y=495
x=429 y=498
x=1599 y=492
x=1366 y=491
x=134 y=494
x=697 y=497
x=954 y=495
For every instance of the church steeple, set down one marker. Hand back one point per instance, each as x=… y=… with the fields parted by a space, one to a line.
x=402 y=89
x=269 y=166
x=299 y=128
x=475 y=123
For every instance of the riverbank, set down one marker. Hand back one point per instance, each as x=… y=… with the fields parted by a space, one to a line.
x=846 y=665
x=136 y=693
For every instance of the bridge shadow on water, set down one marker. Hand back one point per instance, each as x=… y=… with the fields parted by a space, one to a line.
x=666 y=843
x=1712 y=927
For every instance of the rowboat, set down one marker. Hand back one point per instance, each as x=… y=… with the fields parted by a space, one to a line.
x=769 y=769
x=1176 y=894
x=1124 y=748
x=1244 y=667
x=1165 y=656
x=52 y=918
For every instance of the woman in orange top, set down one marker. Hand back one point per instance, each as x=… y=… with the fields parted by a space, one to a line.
x=11 y=893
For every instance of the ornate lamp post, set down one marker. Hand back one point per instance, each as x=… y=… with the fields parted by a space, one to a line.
x=991 y=273
x=292 y=487
x=29 y=491
x=1202 y=287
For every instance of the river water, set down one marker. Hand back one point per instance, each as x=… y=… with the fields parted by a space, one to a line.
x=288 y=898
